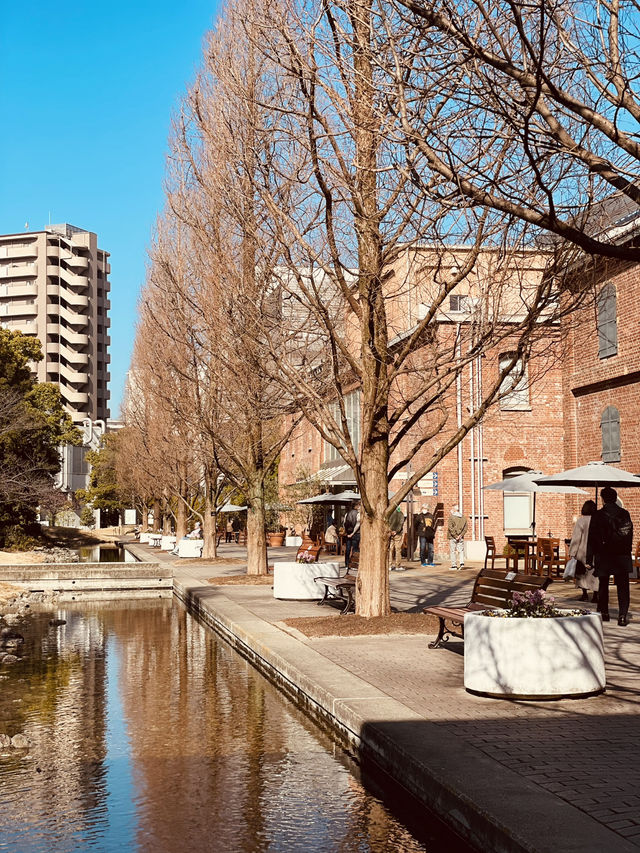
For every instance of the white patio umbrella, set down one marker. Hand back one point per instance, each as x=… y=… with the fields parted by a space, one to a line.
x=231 y=508
x=596 y=474
x=528 y=483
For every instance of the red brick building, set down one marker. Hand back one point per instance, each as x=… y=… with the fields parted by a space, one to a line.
x=601 y=378
x=525 y=431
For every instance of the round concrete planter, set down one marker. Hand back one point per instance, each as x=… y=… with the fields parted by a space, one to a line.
x=276 y=540
x=533 y=658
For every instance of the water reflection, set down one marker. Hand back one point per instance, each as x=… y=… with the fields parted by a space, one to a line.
x=148 y=734
x=105 y=554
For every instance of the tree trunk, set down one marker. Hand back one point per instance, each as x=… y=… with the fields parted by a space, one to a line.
x=181 y=519
x=372 y=587
x=256 y=537
x=156 y=516
x=144 y=520
x=208 y=523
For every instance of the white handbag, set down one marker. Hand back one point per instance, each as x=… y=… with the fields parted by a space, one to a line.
x=570 y=568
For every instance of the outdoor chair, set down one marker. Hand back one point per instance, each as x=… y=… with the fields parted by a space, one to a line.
x=549 y=562
x=492 y=555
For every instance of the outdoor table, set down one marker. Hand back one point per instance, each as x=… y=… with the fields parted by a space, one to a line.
x=155 y=539
x=525 y=548
x=292 y=580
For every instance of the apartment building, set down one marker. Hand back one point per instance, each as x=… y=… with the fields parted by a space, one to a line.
x=54 y=285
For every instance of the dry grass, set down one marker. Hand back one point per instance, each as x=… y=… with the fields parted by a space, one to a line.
x=242 y=580
x=358 y=626
x=20 y=558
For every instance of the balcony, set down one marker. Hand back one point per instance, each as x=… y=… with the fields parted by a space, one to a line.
x=27 y=327
x=15 y=309
x=13 y=250
x=23 y=288
x=18 y=271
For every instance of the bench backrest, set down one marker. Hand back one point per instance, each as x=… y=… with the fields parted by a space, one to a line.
x=312 y=550
x=495 y=587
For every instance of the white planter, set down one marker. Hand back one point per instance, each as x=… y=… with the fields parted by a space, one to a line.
x=144 y=538
x=167 y=543
x=533 y=657
x=190 y=547
x=293 y=541
x=293 y=580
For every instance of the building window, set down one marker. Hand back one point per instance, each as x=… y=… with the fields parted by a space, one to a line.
x=352 y=411
x=610 y=426
x=607 y=323
x=514 y=390
x=517 y=506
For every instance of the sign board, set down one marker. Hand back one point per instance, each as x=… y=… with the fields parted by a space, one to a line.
x=129 y=516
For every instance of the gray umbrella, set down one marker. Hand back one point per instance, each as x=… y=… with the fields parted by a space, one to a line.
x=528 y=483
x=347 y=496
x=330 y=499
x=596 y=474
x=231 y=508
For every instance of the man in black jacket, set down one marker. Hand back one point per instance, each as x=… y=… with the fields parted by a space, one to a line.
x=609 y=551
x=352 y=532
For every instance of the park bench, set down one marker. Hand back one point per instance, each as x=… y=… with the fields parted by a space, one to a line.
x=341 y=588
x=493 y=588
x=312 y=550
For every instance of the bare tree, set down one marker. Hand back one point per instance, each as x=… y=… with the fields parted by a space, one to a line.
x=371 y=256
x=536 y=111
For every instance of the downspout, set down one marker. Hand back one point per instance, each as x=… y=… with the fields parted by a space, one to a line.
x=459 y=415
x=472 y=444
x=480 y=452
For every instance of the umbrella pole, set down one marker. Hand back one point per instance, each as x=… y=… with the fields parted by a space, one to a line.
x=533 y=523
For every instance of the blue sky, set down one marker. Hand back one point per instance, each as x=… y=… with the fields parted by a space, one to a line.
x=86 y=94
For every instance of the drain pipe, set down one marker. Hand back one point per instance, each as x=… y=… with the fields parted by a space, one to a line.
x=473 y=447
x=459 y=414
x=480 y=452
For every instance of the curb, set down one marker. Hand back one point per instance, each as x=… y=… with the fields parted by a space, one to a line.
x=489 y=805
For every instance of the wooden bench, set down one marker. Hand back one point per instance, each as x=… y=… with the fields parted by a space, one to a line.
x=312 y=550
x=493 y=588
x=342 y=588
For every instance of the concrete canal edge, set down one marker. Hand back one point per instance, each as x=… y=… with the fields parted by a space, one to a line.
x=486 y=803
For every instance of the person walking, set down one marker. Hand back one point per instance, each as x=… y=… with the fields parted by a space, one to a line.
x=425 y=531
x=609 y=551
x=456 y=528
x=396 y=525
x=229 y=531
x=585 y=579
x=352 y=532
x=235 y=526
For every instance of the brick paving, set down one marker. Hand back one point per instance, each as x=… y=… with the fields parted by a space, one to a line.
x=584 y=751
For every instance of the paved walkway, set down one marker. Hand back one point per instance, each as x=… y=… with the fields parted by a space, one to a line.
x=584 y=755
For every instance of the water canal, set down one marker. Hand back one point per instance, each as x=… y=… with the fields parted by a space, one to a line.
x=148 y=733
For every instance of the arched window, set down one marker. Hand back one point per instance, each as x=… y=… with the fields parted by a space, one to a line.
x=607 y=322
x=610 y=426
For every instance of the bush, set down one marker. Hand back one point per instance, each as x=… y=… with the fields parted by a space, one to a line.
x=87 y=517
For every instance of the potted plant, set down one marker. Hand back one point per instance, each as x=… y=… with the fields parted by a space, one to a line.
x=276 y=538
x=533 y=650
